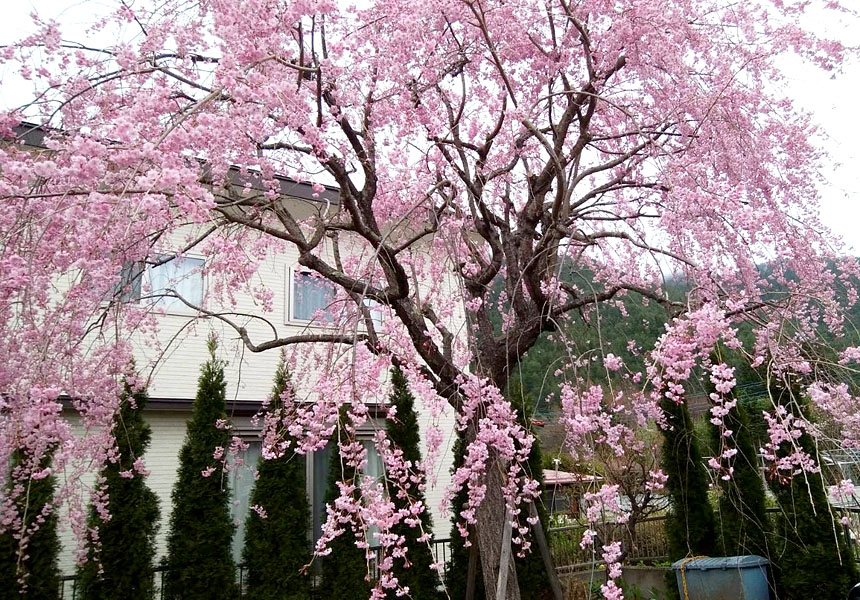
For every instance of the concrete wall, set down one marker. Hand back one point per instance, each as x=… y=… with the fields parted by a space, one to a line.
x=642 y=580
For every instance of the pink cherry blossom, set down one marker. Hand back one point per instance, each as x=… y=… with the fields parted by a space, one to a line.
x=472 y=173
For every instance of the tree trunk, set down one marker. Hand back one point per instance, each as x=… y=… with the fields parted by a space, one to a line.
x=489 y=531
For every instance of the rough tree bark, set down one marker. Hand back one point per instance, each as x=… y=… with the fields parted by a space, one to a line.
x=489 y=533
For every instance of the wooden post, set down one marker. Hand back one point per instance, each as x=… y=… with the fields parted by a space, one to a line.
x=504 y=560
x=472 y=572
x=541 y=540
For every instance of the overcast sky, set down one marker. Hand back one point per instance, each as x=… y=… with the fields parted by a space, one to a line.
x=832 y=98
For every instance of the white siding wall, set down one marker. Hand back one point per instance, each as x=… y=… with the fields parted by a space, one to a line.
x=172 y=365
x=168 y=433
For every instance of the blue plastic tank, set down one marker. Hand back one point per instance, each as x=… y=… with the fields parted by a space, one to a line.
x=722 y=578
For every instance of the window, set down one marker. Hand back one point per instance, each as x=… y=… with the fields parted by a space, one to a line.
x=319 y=479
x=182 y=275
x=376 y=312
x=242 y=481
x=311 y=296
x=130 y=278
x=241 y=485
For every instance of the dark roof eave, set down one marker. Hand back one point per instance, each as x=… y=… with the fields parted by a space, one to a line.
x=238 y=408
x=235 y=408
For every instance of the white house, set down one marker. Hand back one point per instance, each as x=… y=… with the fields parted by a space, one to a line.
x=172 y=363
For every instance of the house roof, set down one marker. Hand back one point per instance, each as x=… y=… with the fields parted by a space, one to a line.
x=31 y=134
x=551 y=477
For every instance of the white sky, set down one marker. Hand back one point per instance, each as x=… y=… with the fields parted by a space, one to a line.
x=832 y=98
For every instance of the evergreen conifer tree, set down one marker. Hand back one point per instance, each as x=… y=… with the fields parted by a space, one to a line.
x=742 y=519
x=422 y=581
x=690 y=524
x=39 y=570
x=199 y=559
x=344 y=570
x=278 y=546
x=531 y=570
x=810 y=557
x=127 y=539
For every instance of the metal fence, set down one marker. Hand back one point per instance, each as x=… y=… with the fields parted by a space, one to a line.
x=70 y=589
x=645 y=541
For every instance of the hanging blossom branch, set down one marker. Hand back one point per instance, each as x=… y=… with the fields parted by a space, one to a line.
x=530 y=160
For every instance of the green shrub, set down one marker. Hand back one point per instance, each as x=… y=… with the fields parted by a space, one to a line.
x=742 y=519
x=457 y=567
x=422 y=581
x=127 y=539
x=690 y=523
x=810 y=555
x=278 y=546
x=198 y=547
x=531 y=570
x=38 y=570
x=344 y=570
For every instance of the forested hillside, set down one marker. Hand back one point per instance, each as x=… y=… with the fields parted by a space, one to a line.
x=628 y=328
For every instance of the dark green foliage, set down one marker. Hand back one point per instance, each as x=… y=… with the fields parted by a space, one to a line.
x=422 y=581
x=531 y=571
x=641 y=321
x=809 y=552
x=40 y=571
x=128 y=538
x=742 y=519
x=198 y=546
x=277 y=547
x=344 y=571
x=690 y=523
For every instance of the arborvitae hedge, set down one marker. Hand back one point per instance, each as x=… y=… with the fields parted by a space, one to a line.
x=809 y=553
x=690 y=523
x=742 y=520
x=423 y=582
x=199 y=555
x=278 y=546
x=128 y=538
x=531 y=571
x=40 y=571
x=344 y=571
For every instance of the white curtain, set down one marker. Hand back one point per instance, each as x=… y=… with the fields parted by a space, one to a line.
x=181 y=275
x=322 y=458
x=241 y=485
x=310 y=294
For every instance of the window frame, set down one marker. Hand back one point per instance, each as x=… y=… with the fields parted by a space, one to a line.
x=363 y=436
x=290 y=318
x=240 y=517
x=377 y=313
x=178 y=307
x=139 y=280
